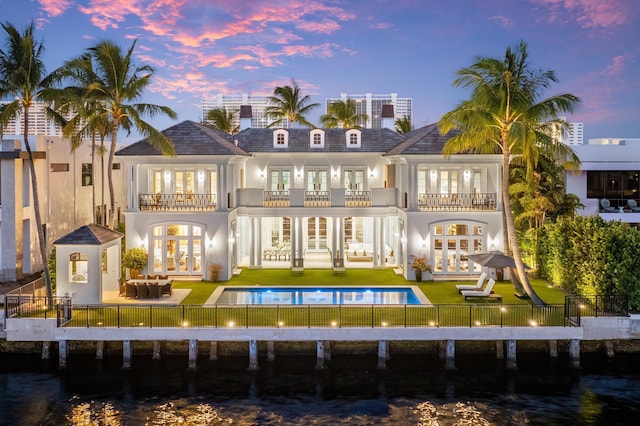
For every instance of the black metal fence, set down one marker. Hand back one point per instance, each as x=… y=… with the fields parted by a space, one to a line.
x=26 y=306
x=596 y=306
x=317 y=316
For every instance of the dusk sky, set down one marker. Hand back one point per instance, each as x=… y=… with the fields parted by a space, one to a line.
x=410 y=47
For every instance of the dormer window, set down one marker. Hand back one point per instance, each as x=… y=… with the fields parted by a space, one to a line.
x=353 y=138
x=280 y=138
x=317 y=138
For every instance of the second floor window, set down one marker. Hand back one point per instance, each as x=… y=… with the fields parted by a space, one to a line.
x=280 y=180
x=87 y=174
x=354 y=180
x=448 y=181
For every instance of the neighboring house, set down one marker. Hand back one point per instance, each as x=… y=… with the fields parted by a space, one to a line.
x=266 y=197
x=373 y=104
x=65 y=190
x=610 y=176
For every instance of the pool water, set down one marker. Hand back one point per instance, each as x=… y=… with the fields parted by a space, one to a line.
x=320 y=296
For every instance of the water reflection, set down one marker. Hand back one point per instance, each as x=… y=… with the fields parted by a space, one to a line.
x=414 y=390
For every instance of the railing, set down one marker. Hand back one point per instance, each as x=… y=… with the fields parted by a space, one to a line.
x=34 y=288
x=317 y=198
x=317 y=316
x=477 y=201
x=357 y=198
x=596 y=306
x=26 y=306
x=177 y=202
x=276 y=199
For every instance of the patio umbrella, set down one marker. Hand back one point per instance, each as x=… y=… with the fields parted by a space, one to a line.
x=494 y=259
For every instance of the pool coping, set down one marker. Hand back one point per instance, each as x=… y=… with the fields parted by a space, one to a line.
x=422 y=298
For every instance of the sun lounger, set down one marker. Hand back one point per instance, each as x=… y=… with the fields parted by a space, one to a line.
x=486 y=293
x=477 y=286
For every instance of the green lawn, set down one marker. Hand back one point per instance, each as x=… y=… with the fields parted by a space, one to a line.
x=438 y=292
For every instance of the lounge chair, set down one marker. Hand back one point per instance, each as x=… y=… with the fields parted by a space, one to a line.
x=606 y=205
x=486 y=293
x=477 y=286
x=633 y=205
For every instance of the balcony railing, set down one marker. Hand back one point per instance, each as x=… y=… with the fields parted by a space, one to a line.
x=276 y=199
x=177 y=202
x=317 y=199
x=357 y=199
x=477 y=201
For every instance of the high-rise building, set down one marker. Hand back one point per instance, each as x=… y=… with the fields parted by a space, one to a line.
x=39 y=123
x=574 y=134
x=371 y=105
x=232 y=104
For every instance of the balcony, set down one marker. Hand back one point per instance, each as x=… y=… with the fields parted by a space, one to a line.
x=449 y=202
x=317 y=199
x=357 y=199
x=276 y=199
x=177 y=202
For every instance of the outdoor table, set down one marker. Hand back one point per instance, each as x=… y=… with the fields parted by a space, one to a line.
x=148 y=281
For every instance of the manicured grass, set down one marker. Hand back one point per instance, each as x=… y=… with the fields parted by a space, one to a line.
x=438 y=292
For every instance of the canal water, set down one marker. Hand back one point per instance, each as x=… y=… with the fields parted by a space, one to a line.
x=413 y=390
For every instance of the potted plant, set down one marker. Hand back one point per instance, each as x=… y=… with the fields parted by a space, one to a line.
x=419 y=265
x=214 y=271
x=135 y=259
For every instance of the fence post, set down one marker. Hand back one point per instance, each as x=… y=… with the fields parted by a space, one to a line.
x=118 y=316
x=470 y=316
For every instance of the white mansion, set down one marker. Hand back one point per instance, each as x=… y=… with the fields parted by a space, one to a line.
x=268 y=197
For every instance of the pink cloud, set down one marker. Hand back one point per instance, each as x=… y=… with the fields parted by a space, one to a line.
x=381 y=26
x=502 y=21
x=587 y=13
x=55 y=7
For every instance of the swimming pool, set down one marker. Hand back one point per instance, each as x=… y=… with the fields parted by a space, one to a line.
x=324 y=295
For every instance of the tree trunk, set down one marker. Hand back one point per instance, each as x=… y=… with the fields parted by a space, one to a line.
x=112 y=201
x=511 y=228
x=93 y=176
x=36 y=210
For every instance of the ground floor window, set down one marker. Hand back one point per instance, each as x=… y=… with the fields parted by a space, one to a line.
x=177 y=249
x=453 y=242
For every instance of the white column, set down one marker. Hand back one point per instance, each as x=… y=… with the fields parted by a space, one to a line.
x=193 y=354
x=293 y=240
x=257 y=241
x=553 y=348
x=253 y=355
x=126 y=354
x=271 y=351
x=99 y=349
x=252 y=242
x=382 y=354
x=376 y=245
x=450 y=363
x=213 y=351
x=45 y=349
x=499 y=349
x=574 y=353
x=511 y=355
x=63 y=352
x=156 y=349
x=319 y=354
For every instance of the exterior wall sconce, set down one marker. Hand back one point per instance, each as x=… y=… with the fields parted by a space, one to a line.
x=467 y=174
x=434 y=175
x=167 y=176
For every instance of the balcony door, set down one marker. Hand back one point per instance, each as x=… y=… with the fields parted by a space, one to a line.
x=317 y=180
x=449 y=181
x=280 y=180
x=453 y=243
x=354 y=180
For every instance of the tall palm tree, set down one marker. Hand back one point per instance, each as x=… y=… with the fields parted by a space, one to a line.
x=222 y=120
x=505 y=113
x=403 y=125
x=116 y=83
x=287 y=104
x=23 y=76
x=343 y=114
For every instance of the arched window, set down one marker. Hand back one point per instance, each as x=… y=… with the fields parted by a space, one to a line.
x=78 y=267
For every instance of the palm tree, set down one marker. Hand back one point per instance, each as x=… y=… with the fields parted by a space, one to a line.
x=403 y=125
x=505 y=114
x=286 y=104
x=343 y=114
x=116 y=82
x=23 y=76
x=222 y=120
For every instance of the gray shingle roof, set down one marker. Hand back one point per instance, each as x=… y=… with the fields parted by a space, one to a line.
x=89 y=235
x=372 y=140
x=188 y=138
x=425 y=140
